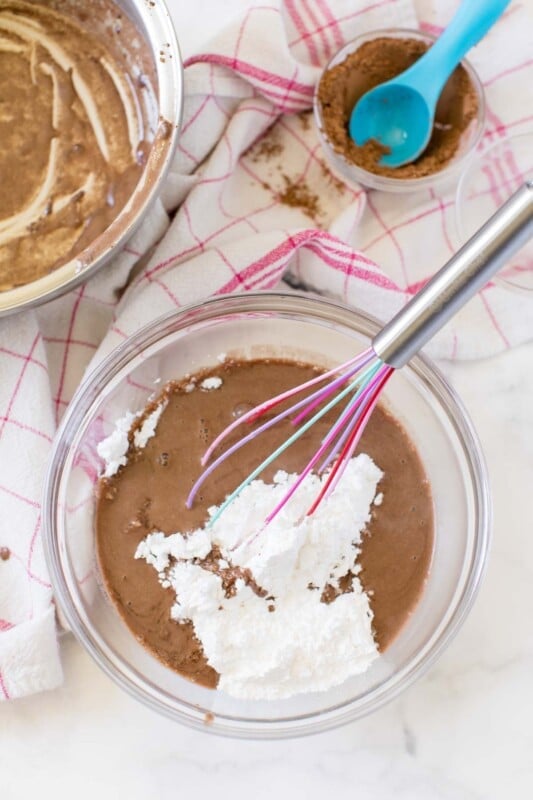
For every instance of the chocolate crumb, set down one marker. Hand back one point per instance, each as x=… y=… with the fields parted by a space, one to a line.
x=305 y=119
x=330 y=593
x=5 y=553
x=230 y=575
x=297 y=194
x=338 y=185
x=266 y=148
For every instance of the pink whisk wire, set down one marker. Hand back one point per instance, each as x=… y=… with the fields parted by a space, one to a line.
x=354 y=365
x=358 y=413
x=344 y=435
x=328 y=440
x=355 y=407
x=352 y=442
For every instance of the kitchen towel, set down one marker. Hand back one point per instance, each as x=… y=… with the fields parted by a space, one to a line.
x=256 y=202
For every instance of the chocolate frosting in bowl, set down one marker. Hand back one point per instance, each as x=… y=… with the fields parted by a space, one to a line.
x=73 y=138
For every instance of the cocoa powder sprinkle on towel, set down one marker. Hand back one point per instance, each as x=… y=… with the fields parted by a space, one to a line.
x=298 y=195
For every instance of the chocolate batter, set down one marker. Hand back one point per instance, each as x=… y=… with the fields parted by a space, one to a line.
x=149 y=494
x=72 y=139
x=374 y=63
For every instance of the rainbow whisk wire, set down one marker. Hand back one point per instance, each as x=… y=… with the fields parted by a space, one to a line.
x=361 y=380
x=337 y=447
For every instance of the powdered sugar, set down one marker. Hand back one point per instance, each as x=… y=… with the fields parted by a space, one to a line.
x=113 y=449
x=157 y=549
x=211 y=383
x=143 y=434
x=283 y=640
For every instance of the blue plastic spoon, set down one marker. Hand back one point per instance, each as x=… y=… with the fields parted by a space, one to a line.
x=399 y=113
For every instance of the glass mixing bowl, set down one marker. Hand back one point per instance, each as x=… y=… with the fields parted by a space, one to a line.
x=354 y=175
x=250 y=326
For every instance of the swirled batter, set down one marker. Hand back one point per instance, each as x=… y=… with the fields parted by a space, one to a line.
x=72 y=143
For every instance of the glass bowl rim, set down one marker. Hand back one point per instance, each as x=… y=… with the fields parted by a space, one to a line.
x=384 y=182
x=299 y=304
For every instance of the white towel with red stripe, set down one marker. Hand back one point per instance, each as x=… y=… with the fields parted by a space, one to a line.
x=233 y=232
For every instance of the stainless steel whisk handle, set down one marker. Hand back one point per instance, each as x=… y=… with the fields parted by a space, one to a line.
x=458 y=280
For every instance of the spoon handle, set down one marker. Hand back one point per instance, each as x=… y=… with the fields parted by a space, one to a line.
x=469 y=25
x=458 y=280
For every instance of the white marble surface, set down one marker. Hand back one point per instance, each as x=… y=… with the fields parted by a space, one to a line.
x=463 y=732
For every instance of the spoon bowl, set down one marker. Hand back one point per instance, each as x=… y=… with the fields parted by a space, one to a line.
x=396 y=116
x=399 y=114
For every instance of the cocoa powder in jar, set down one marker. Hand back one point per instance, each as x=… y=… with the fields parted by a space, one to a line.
x=375 y=62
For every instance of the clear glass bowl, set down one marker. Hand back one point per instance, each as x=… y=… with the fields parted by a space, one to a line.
x=354 y=175
x=486 y=184
x=246 y=326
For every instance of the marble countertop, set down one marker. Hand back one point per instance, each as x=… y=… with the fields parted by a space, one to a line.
x=463 y=732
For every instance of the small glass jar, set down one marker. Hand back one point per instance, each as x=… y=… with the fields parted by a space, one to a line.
x=355 y=175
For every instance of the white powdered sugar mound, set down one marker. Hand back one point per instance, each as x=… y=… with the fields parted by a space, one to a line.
x=113 y=449
x=287 y=641
x=142 y=435
x=211 y=383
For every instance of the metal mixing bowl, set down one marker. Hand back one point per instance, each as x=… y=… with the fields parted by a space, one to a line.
x=153 y=22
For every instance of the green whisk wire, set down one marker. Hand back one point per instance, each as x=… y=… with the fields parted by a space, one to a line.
x=359 y=383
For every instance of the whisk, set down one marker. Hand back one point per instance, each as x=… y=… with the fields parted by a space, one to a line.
x=361 y=379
